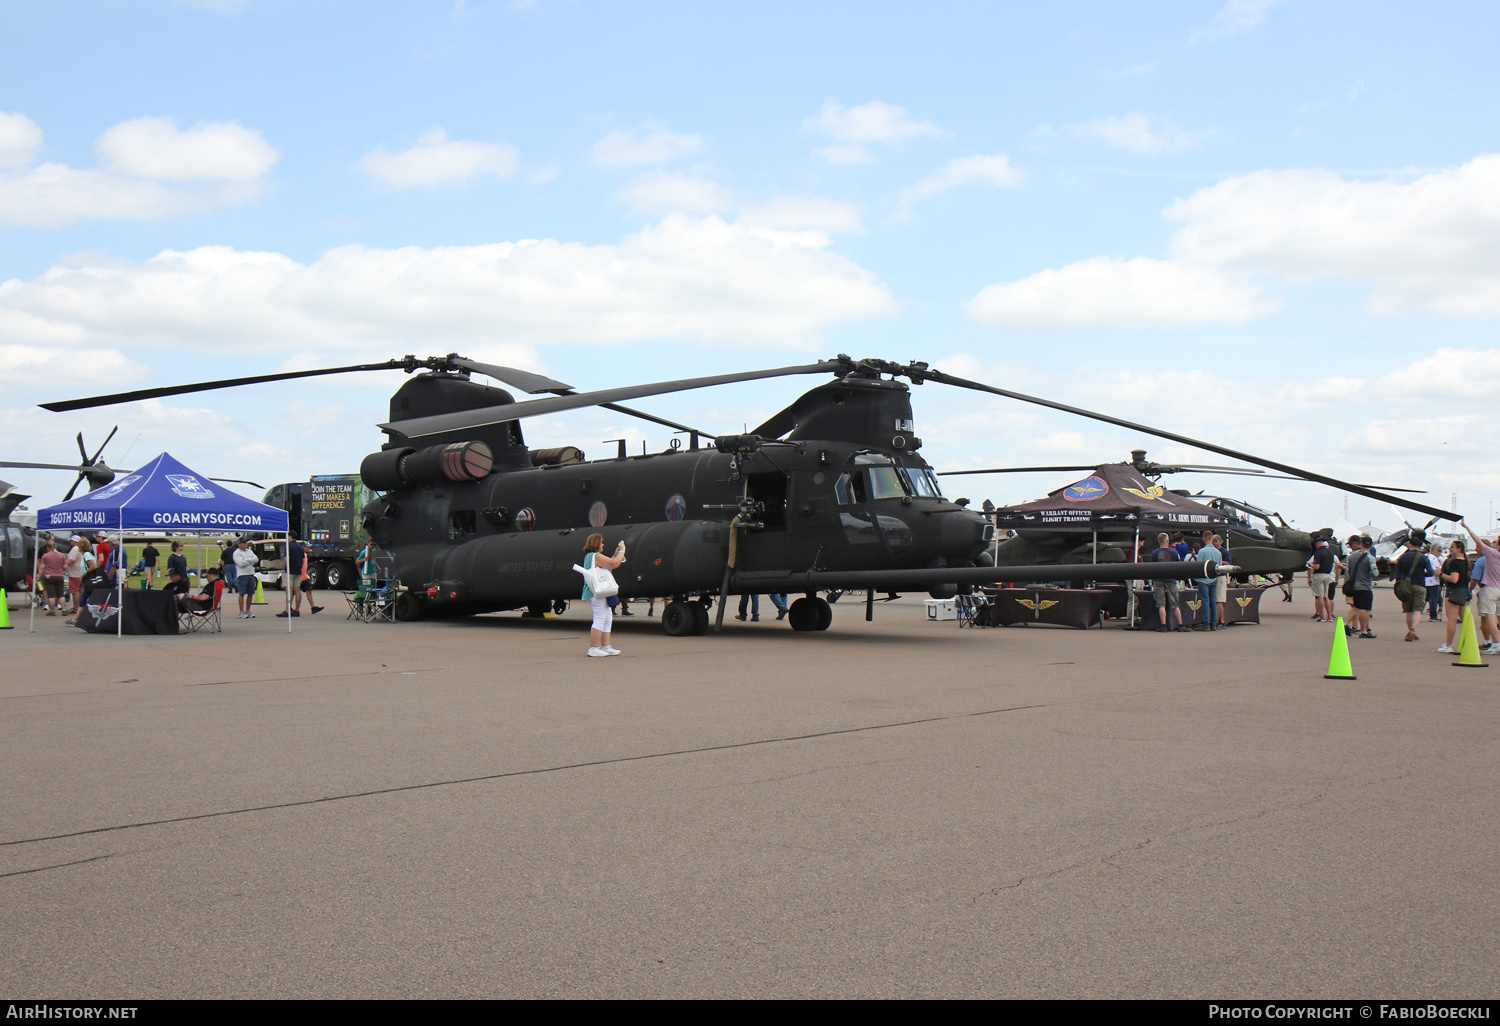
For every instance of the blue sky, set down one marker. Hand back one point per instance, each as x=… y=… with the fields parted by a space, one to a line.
x=1271 y=224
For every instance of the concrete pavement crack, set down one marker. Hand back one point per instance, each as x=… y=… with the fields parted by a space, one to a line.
x=60 y=865
x=523 y=773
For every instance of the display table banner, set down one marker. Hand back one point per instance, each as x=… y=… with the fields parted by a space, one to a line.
x=1063 y=607
x=146 y=612
x=1241 y=606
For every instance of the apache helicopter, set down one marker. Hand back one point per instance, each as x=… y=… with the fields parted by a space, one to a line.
x=830 y=493
x=1260 y=543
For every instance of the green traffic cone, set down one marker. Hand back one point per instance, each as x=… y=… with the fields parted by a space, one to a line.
x=1339 y=667
x=260 y=594
x=4 y=611
x=1468 y=642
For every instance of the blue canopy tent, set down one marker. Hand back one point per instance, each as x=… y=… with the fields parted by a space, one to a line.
x=162 y=497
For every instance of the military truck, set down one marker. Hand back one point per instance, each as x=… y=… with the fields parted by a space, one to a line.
x=324 y=513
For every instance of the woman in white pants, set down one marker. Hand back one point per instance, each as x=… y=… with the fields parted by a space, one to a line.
x=593 y=550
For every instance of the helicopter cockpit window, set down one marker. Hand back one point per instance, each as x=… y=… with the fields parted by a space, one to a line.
x=849 y=489
x=923 y=482
x=885 y=483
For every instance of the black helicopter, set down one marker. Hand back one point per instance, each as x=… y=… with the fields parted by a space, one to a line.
x=1260 y=542
x=830 y=493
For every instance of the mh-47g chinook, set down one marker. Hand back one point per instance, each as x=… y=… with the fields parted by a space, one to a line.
x=830 y=493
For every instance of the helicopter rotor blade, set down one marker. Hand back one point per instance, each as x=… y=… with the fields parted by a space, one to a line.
x=526 y=381
x=1012 y=470
x=83 y=454
x=419 y=427
x=409 y=364
x=617 y=408
x=238 y=480
x=95 y=458
x=1307 y=475
x=76 y=482
x=44 y=466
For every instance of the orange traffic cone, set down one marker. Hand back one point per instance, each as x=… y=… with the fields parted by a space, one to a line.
x=1339 y=667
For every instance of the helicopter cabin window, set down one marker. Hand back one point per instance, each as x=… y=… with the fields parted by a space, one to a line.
x=461 y=523
x=849 y=489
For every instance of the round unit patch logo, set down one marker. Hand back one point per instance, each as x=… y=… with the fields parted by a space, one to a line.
x=676 y=507
x=598 y=514
x=1088 y=488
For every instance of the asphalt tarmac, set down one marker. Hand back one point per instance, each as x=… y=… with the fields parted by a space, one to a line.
x=895 y=809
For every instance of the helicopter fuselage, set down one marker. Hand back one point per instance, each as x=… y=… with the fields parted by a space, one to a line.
x=511 y=539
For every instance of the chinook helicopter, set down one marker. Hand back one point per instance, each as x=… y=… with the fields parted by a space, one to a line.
x=1259 y=542
x=829 y=493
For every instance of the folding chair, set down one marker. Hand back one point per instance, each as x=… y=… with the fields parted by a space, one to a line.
x=973 y=610
x=195 y=620
x=380 y=604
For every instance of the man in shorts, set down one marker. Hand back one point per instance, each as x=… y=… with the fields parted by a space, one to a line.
x=244 y=583
x=1410 y=576
x=1320 y=580
x=1487 y=593
x=1165 y=592
x=149 y=555
x=1360 y=566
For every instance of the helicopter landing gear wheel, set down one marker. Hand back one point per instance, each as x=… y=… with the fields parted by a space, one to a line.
x=408 y=607
x=810 y=613
x=700 y=617
x=678 y=619
x=537 y=610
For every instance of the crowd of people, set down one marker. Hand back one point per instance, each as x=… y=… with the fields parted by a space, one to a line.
x=1424 y=578
x=1213 y=592
x=98 y=562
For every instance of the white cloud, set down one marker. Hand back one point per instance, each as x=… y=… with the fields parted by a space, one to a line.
x=873 y=122
x=803 y=212
x=685 y=277
x=20 y=139
x=662 y=193
x=992 y=169
x=54 y=195
x=1111 y=292
x=437 y=160
x=1235 y=17
x=32 y=367
x=153 y=171
x=156 y=148
x=1431 y=242
x=1138 y=133
x=650 y=143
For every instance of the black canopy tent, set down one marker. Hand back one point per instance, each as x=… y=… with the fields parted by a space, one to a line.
x=1115 y=499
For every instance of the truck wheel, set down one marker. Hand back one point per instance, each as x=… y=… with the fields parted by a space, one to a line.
x=339 y=577
x=316 y=575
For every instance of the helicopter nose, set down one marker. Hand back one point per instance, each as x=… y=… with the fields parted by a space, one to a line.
x=961 y=529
